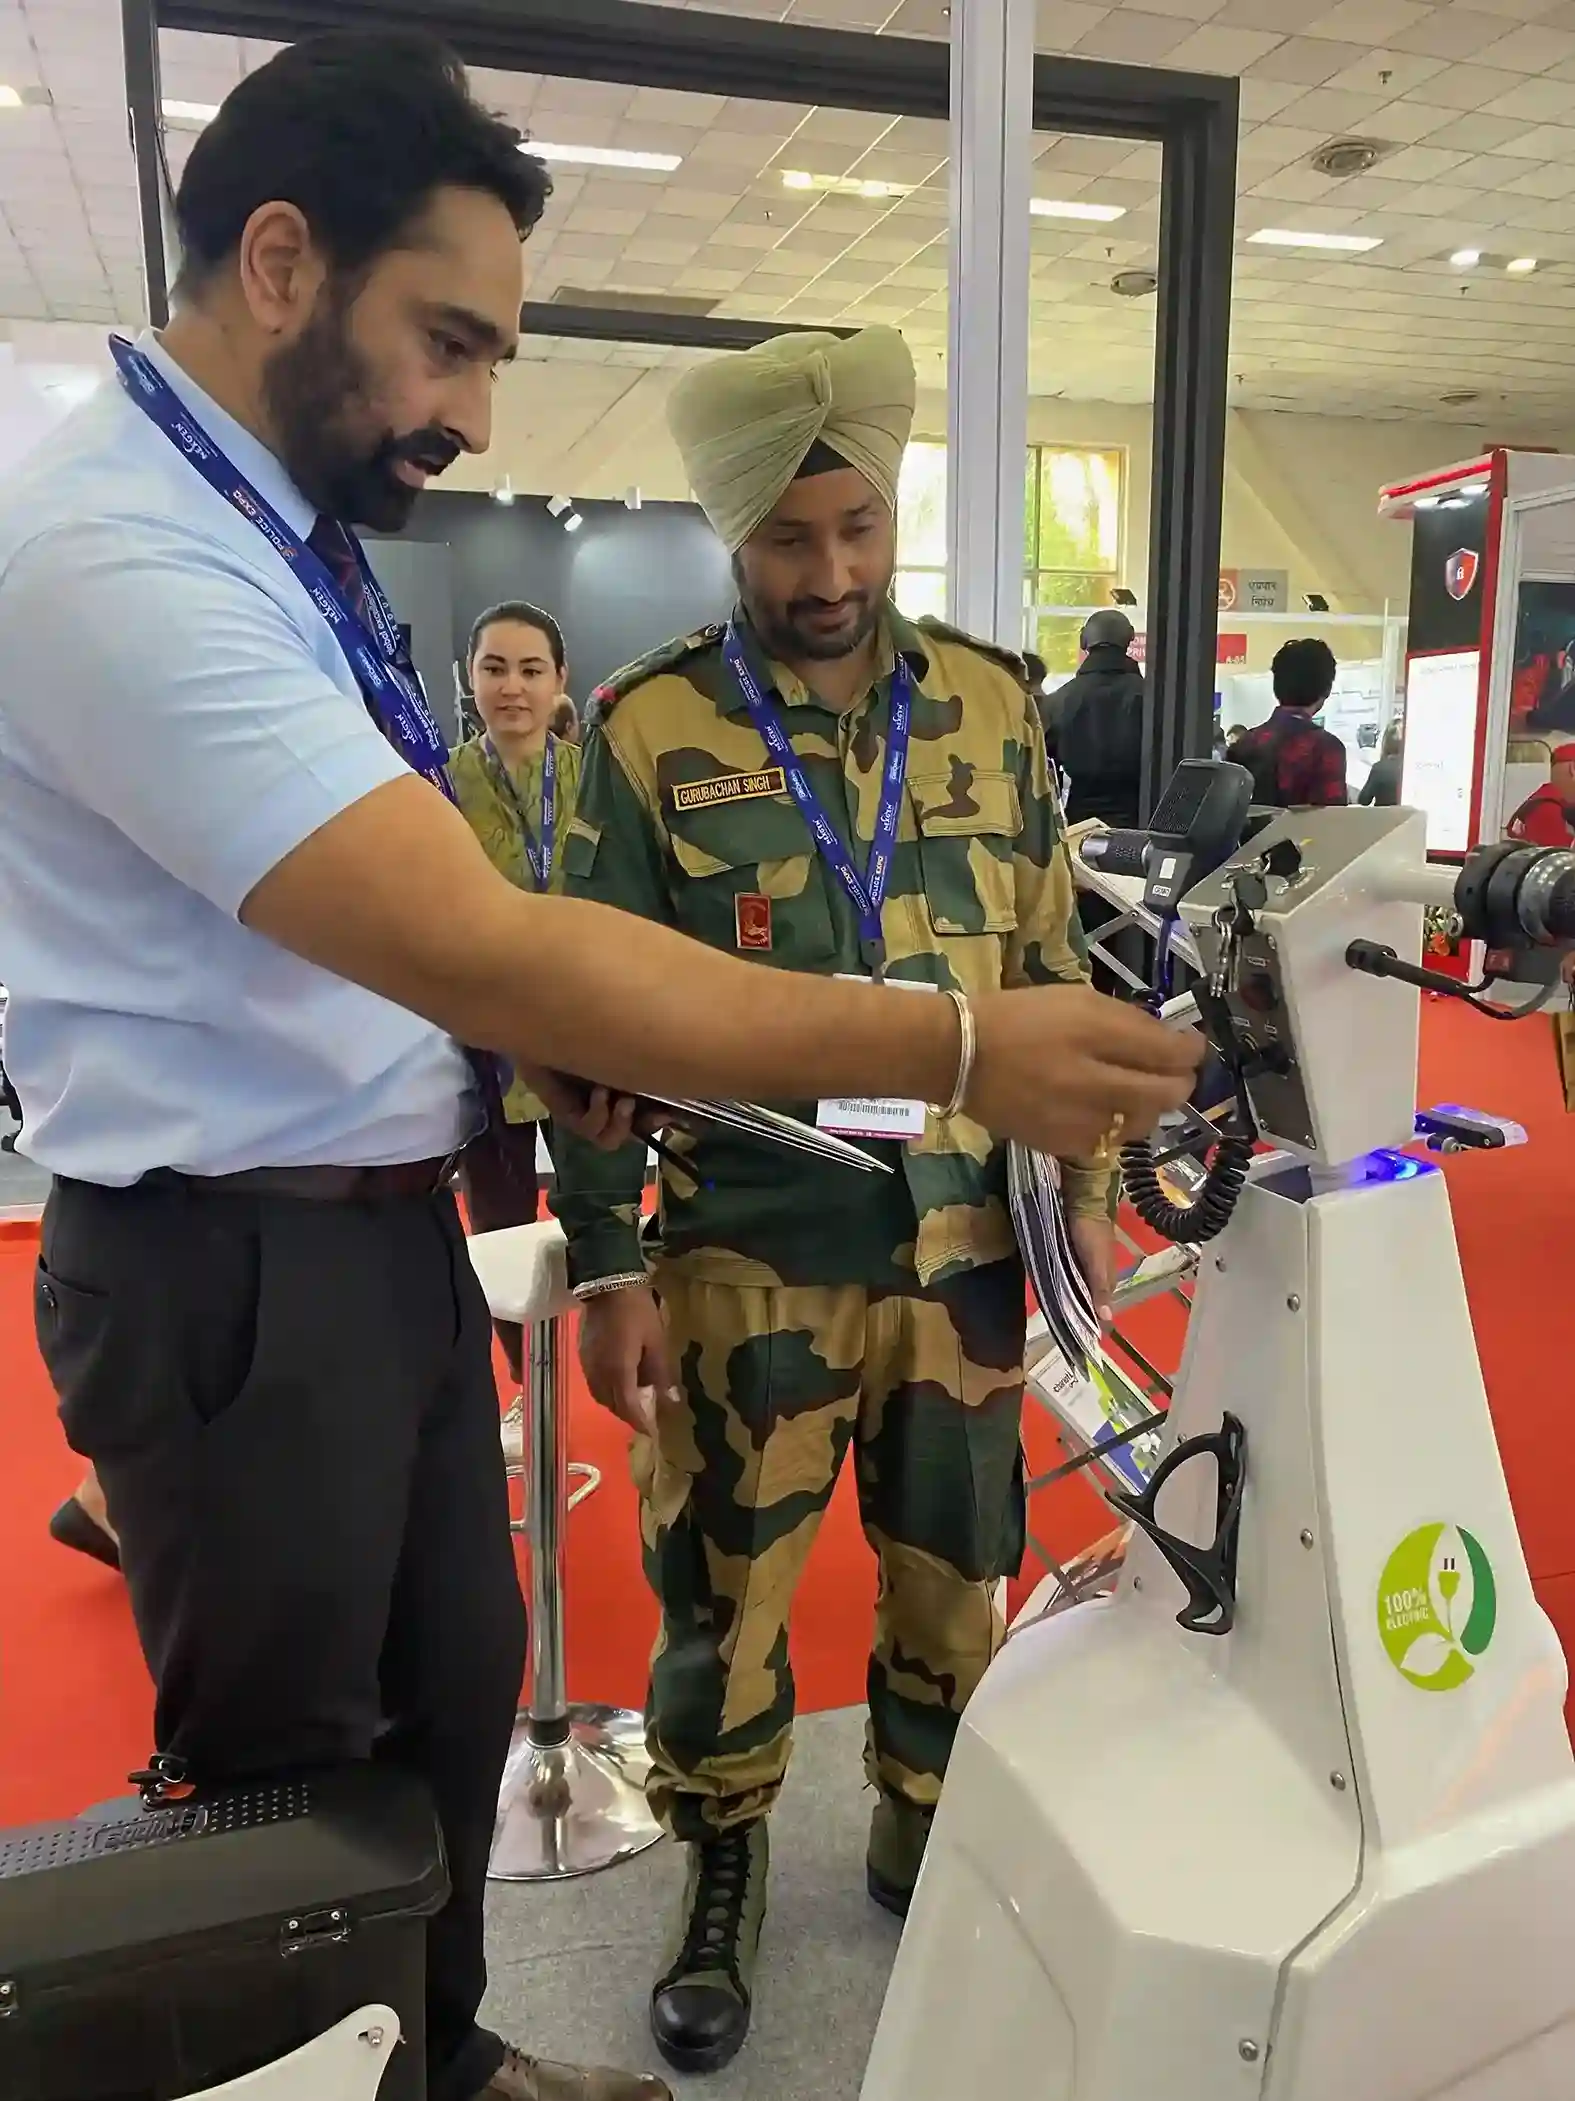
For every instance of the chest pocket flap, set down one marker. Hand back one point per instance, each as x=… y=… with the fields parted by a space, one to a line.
x=759 y=846
x=968 y=822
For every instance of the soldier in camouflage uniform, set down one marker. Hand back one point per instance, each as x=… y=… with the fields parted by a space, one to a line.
x=803 y=1312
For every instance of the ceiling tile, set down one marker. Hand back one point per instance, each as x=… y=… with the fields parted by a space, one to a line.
x=1059 y=23
x=1138 y=39
x=1470 y=87
x=1310 y=61
x=1538 y=101
x=1451 y=32
x=1213 y=49
x=1368 y=21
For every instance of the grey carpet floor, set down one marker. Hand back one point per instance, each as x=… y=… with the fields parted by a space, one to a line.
x=572 y=1966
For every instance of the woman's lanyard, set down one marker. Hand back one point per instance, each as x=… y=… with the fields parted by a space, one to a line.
x=388 y=680
x=867 y=892
x=538 y=847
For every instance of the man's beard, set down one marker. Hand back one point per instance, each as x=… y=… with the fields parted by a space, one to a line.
x=315 y=391
x=787 y=635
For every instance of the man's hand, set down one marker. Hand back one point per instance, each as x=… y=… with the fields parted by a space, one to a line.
x=601 y=1118
x=1057 y=1065
x=625 y=1354
x=1094 y=1245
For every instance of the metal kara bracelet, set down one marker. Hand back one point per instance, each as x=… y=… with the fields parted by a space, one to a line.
x=603 y=1287
x=967 y=1053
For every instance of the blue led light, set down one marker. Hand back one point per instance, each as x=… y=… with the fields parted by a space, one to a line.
x=1386 y=1165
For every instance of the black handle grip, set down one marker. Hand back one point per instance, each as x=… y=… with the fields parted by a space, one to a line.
x=1118 y=853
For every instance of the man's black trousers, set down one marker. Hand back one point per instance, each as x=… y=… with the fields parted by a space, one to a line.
x=291 y=1408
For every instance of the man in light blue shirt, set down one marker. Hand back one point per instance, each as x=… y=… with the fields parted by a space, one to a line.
x=243 y=937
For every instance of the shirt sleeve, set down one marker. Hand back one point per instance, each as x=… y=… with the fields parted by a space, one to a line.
x=611 y=855
x=151 y=678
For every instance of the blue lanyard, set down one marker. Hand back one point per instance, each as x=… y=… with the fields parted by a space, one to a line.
x=538 y=850
x=868 y=892
x=382 y=668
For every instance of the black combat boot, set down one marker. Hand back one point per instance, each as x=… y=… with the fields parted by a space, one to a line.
x=700 y=2007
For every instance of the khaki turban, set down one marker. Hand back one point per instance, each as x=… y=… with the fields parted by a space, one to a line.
x=745 y=424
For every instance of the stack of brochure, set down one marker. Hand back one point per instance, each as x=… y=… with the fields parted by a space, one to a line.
x=1039 y=1217
x=769 y=1126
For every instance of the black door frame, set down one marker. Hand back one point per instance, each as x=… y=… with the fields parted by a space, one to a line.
x=1193 y=117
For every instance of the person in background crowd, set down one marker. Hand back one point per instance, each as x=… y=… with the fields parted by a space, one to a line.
x=566 y=721
x=1294 y=762
x=1099 y=741
x=1547 y=816
x=517 y=785
x=1233 y=737
x=1381 y=789
x=798 y=1317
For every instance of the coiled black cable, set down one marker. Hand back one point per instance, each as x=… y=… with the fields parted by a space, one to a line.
x=1209 y=1213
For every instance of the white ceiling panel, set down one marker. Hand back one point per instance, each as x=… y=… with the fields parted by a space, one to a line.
x=1471 y=103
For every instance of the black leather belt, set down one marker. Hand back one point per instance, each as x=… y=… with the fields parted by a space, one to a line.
x=321 y=1185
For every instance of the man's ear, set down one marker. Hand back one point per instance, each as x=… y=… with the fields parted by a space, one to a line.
x=281 y=270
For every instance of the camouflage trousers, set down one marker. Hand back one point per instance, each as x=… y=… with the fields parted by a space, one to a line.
x=778 y=1385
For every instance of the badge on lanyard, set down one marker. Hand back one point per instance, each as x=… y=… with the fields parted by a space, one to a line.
x=538 y=845
x=867 y=891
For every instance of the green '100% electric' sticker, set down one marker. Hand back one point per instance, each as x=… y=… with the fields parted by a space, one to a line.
x=1437 y=1606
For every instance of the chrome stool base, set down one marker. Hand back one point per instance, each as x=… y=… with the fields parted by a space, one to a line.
x=573 y=1808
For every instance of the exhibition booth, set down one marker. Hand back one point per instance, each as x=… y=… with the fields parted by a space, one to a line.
x=1489 y=665
x=1274 y=1759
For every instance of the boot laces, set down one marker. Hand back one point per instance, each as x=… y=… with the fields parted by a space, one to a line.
x=716 y=1916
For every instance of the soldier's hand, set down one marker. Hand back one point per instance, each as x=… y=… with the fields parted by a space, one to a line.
x=1058 y=1065
x=625 y=1353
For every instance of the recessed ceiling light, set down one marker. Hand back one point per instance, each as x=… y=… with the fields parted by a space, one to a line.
x=10 y=98
x=1056 y=208
x=1466 y=258
x=1522 y=266
x=191 y=112
x=843 y=185
x=602 y=156
x=1340 y=243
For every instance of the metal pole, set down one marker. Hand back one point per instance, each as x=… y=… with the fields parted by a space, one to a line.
x=992 y=92
x=547 y=1516
x=1191 y=369
x=139 y=29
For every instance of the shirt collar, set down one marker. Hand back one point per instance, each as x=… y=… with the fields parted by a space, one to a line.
x=898 y=636
x=248 y=454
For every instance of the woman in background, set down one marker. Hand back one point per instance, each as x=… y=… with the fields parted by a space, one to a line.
x=516 y=784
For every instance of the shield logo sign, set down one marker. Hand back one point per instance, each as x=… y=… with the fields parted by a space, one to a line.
x=1460 y=571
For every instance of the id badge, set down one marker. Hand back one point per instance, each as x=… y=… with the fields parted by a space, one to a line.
x=872 y=1116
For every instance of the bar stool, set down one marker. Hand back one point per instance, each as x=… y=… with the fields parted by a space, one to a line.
x=573 y=1797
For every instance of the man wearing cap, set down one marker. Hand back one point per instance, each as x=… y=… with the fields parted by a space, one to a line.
x=1547 y=816
x=827 y=788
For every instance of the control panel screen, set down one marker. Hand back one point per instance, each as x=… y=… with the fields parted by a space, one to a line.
x=1440 y=744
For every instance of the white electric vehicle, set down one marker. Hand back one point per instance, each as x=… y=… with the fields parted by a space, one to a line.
x=1292 y=1814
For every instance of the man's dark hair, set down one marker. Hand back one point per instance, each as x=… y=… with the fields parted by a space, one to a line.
x=357 y=131
x=1304 y=674
x=1036 y=667
x=525 y=615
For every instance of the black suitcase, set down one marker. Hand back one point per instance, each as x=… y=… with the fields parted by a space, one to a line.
x=151 y=1953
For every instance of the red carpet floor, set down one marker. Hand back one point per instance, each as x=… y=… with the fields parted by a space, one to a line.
x=74 y=1701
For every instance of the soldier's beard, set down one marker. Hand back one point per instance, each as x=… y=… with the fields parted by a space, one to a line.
x=816 y=630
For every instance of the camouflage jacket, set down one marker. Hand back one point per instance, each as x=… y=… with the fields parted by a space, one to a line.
x=490 y=811
x=682 y=820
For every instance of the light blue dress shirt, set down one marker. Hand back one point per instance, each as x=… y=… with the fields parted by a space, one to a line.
x=176 y=718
